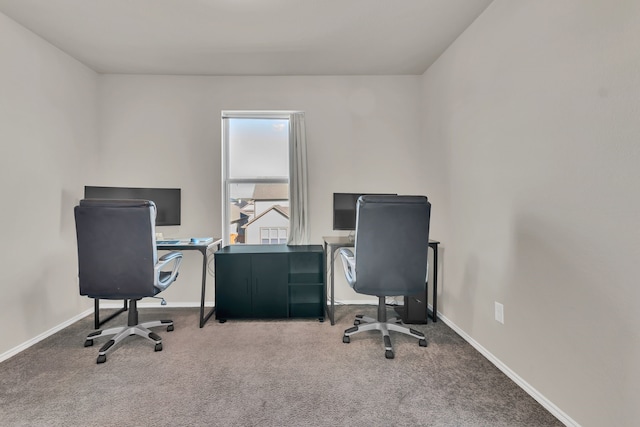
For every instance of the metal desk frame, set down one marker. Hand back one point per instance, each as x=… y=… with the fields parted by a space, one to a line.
x=203 y=248
x=333 y=243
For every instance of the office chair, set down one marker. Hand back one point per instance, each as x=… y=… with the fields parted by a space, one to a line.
x=118 y=260
x=389 y=259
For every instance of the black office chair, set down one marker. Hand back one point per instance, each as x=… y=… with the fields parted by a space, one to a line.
x=390 y=259
x=117 y=259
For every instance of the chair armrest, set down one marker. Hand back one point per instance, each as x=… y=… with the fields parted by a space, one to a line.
x=169 y=256
x=349 y=265
x=176 y=258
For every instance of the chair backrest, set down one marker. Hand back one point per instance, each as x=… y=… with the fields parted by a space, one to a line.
x=116 y=248
x=392 y=238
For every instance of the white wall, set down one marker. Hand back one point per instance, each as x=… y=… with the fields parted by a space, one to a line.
x=47 y=142
x=526 y=132
x=362 y=136
x=533 y=115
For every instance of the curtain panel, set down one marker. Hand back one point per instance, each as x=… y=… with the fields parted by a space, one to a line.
x=298 y=195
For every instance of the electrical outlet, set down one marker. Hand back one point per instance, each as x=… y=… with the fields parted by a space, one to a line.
x=499 y=309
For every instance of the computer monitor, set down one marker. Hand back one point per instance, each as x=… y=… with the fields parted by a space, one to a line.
x=167 y=200
x=344 y=209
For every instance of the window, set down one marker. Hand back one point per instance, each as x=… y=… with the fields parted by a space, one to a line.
x=255 y=164
x=272 y=236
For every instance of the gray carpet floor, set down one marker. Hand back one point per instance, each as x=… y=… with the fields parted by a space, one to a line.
x=260 y=373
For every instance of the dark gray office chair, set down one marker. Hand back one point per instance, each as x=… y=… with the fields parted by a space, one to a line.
x=118 y=260
x=389 y=259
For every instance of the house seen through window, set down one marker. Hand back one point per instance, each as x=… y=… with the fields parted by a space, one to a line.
x=255 y=178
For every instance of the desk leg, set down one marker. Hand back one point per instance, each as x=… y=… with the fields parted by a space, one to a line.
x=333 y=307
x=96 y=313
x=325 y=292
x=434 y=314
x=328 y=251
x=203 y=317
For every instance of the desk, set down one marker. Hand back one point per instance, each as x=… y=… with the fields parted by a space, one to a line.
x=182 y=245
x=203 y=248
x=333 y=243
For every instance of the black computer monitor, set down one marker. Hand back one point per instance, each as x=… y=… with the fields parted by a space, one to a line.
x=344 y=209
x=167 y=200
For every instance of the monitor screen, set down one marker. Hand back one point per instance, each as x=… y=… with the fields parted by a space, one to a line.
x=344 y=209
x=167 y=200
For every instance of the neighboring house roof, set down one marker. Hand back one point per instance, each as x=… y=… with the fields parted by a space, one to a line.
x=271 y=192
x=282 y=210
x=234 y=213
x=248 y=209
x=241 y=203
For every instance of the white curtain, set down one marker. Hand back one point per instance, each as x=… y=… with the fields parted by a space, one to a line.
x=298 y=200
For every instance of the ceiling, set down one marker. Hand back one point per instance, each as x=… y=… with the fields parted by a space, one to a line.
x=249 y=37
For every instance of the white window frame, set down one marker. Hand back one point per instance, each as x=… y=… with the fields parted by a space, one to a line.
x=226 y=181
x=278 y=239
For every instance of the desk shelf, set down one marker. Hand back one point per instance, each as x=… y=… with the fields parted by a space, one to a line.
x=306 y=283
x=305 y=299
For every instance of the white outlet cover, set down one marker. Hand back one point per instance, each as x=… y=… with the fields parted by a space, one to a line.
x=499 y=312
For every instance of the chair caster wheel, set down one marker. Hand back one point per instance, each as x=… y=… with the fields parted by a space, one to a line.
x=346 y=339
x=388 y=354
x=158 y=347
x=356 y=322
x=422 y=343
x=169 y=328
x=88 y=343
x=222 y=320
x=102 y=358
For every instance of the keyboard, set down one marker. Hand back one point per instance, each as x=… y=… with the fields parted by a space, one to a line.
x=167 y=242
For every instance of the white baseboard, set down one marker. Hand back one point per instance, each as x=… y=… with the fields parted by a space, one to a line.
x=548 y=405
x=531 y=391
x=155 y=304
x=357 y=302
x=389 y=300
x=10 y=353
